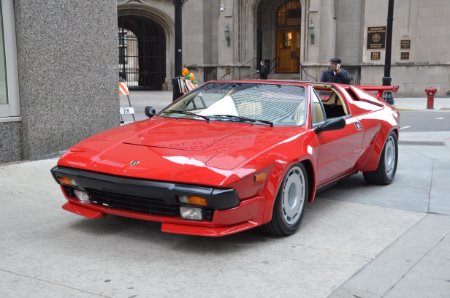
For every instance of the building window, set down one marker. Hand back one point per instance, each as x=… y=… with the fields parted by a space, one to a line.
x=289 y=14
x=3 y=85
x=9 y=88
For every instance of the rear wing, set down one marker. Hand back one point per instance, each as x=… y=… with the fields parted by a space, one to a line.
x=379 y=89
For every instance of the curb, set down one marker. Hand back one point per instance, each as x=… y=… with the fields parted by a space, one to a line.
x=407 y=109
x=424 y=110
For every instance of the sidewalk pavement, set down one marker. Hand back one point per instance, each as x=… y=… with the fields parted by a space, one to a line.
x=356 y=240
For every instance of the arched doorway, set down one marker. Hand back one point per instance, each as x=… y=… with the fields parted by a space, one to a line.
x=278 y=34
x=142 y=53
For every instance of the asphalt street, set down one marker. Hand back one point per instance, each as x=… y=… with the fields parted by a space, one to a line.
x=425 y=121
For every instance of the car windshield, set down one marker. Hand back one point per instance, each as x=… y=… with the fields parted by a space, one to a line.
x=256 y=103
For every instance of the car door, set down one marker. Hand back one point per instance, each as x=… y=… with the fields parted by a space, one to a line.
x=338 y=150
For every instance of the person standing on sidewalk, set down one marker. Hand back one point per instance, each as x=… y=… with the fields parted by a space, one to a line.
x=336 y=74
x=263 y=71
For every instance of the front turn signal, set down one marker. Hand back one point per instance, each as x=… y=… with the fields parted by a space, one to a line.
x=260 y=177
x=68 y=181
x=194 y=200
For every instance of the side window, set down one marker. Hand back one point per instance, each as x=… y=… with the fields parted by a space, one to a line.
x=317 y=112
x=9 y=87
x=196 y=103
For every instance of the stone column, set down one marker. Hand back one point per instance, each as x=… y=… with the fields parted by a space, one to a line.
x=67 y=58
x=327 y=48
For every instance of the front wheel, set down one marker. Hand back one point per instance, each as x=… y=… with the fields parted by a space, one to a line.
x=290 y=203
x=387 y=166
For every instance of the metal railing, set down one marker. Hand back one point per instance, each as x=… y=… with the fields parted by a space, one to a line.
x=303 y=71
x=354 y=71
x=271 y=62
x=238 y=68
x=232 y=72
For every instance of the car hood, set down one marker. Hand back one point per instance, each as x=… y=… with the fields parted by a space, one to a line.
x=194 y=135
x=185 y=151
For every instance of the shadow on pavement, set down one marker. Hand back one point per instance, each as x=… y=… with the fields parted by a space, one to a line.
x=134 y=230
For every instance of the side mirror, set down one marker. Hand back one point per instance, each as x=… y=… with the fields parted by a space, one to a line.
x=150 y=111
x=331 y=124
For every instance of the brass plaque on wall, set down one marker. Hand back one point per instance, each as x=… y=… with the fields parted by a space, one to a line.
x=405 y=44
x=376 y=38
x=375 y=55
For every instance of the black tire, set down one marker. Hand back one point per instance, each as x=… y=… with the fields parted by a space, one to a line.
x=387 y=167
x=294 y=190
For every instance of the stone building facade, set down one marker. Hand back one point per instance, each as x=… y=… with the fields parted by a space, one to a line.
x=58 y=74
x=226 y=38
x=59 y=59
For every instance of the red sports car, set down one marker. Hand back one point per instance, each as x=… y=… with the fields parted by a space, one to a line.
x=233 y=155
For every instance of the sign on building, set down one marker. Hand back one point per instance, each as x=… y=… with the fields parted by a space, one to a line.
x=405 y=44
x=375 y=55
x=376 y=38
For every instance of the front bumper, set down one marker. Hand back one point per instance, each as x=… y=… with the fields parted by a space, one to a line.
x=158 y=201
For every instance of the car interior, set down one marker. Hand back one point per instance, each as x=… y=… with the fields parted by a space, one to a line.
x=333 y=103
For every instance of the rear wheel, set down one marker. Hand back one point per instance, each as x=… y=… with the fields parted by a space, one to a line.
x=290 y=203
x=387 y=165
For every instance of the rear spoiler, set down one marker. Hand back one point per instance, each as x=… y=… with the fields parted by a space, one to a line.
x=379 y=89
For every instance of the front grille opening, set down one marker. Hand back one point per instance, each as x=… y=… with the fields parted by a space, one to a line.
x=69 y=191
x=208 y=214
x=132 y=203
x=150 y=206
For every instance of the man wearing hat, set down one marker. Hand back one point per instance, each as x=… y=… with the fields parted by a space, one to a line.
x=336 y=74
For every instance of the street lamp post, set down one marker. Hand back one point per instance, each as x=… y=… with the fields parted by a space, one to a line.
x=178 y=47
x=387 y=80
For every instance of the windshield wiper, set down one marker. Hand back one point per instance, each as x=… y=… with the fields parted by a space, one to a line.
x=243 y=119
x=187 y=113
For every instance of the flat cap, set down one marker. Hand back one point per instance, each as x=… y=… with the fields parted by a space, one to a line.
x=335 y=60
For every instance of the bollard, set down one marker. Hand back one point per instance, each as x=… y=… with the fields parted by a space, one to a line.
x=430 y=92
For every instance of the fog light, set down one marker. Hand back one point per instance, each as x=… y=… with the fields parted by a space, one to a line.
x=82 y=196
x=193 y=200
x=191 y=213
